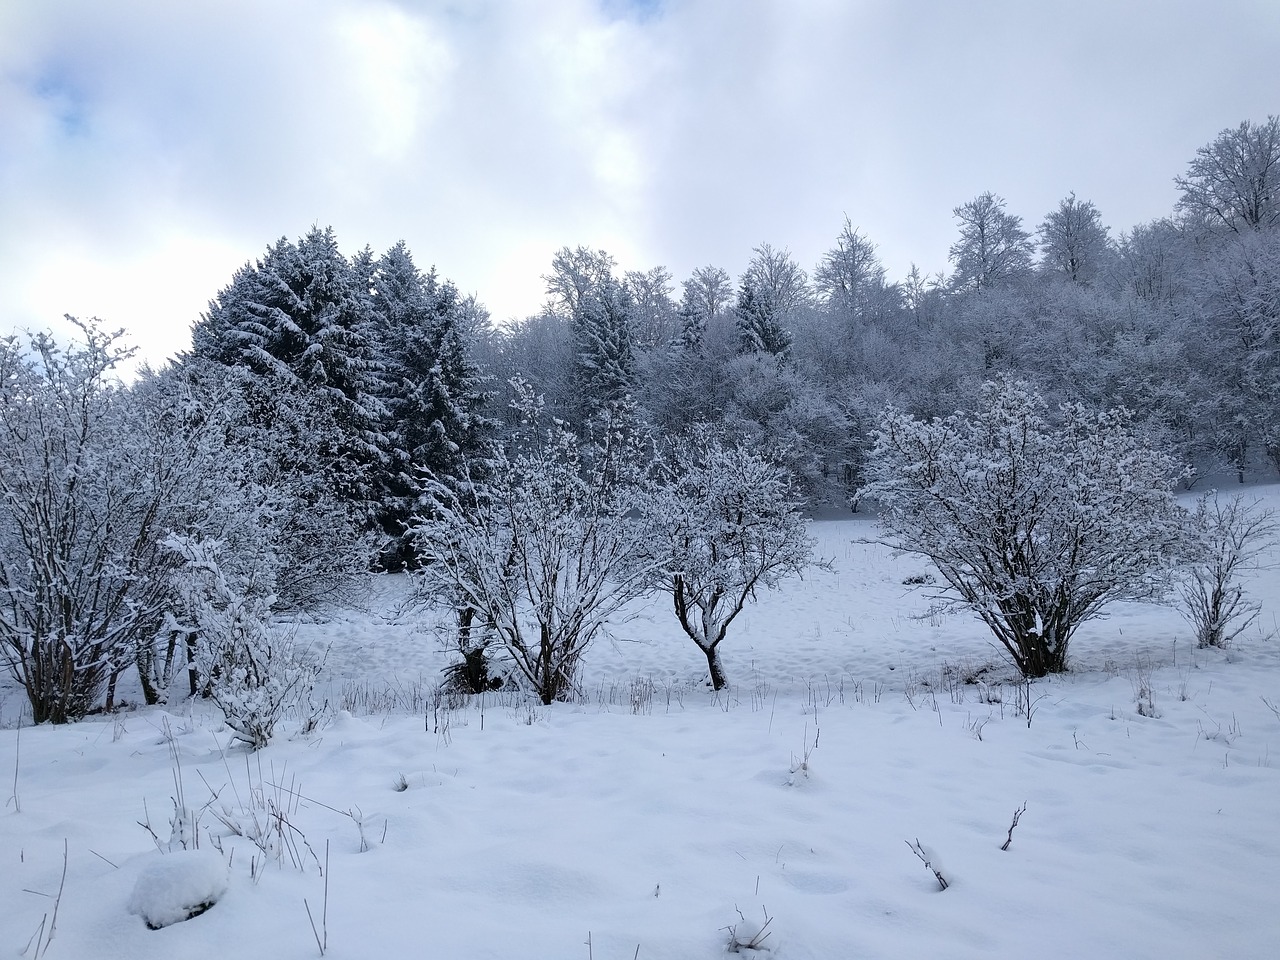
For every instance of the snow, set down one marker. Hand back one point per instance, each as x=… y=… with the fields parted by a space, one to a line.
x=172 y=888
x=656 y=815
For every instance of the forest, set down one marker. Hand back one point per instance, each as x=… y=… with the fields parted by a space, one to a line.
x=338 y=414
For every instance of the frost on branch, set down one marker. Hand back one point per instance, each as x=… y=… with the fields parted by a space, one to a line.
x=255 y=671
x=85 y=492
x=1035 y=525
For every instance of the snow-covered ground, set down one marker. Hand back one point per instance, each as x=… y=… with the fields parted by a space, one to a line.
x=653 y=818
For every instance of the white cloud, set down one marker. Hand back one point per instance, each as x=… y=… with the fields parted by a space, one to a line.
x=147 y=149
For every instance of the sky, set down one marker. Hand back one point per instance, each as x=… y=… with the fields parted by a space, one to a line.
x=148 y=149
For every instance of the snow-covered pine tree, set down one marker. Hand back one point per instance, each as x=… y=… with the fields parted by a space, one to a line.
x=760 y=328
x=436 y=394
x=600 y=312
x=300 y=319
x=602 y=331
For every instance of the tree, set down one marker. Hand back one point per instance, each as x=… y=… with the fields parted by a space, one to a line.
x=1239 y=298
x=435 y=393
x=600 y=311
x=1154 y=261
x=706 y=296
x=759 y=322
x=722 y=521
x=543 y=545
x=1073 y=241
x=850 y=278
x=1034 y=526
x=245 y=458
x=1233 y=183
x=301 y=320
x=993 y=249
x=778 y=280
x=85 y=498
x=654 y=311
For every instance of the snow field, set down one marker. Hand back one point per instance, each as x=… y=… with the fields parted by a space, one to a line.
x=653 y=811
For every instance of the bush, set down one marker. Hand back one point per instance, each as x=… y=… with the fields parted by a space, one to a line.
x=541 y=542
x=1233 y=535
x=1034 y=525
x=254 y=670
x=84 y=498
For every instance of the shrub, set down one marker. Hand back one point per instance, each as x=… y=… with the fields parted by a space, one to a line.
x=255 y=671
x=1034 y=525
x=1233 y=535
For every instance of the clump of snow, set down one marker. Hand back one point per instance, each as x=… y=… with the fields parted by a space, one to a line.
x=178 y=886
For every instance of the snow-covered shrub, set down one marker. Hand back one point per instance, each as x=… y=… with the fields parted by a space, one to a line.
x=250 y=459
x=255 y=671
x=720 y=521
x=541 y=542
x=1035 y=525
x=84 y=499
x=1234 y=536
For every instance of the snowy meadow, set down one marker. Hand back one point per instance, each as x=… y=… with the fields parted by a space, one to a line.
x=1126 y=808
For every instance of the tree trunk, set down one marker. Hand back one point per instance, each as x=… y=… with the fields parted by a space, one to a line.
x=715 y=667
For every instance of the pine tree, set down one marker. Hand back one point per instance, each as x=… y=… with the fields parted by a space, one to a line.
x=759 y=326
x=300 y=319
x=602 y=333
x=427 y=332
x=600 y=311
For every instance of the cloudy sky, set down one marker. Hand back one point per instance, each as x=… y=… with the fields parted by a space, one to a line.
x=148 y=148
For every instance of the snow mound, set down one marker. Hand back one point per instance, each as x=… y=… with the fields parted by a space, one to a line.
x=179 y=886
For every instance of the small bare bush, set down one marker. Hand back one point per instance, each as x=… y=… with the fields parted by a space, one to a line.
x=1235 y=535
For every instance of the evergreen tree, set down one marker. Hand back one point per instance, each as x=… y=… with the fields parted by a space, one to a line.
x=435 y=392
x=300 y=319
x=760 y=328
x=600 y=311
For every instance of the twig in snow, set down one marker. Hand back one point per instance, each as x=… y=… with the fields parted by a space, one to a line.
x=321 y=941
x=918 y=850
x=1017 y=815
x=17 y=748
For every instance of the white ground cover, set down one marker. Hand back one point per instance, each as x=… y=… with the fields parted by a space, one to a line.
x=649 y=816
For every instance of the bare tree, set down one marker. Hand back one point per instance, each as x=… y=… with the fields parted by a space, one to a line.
x=1235 y=536
x=84 y=501
x=1233 y=183
x=1073 y=241
x=850 y=278
x=993 y=248
x=542 y=544
x=653 y=323
x=778 y=278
